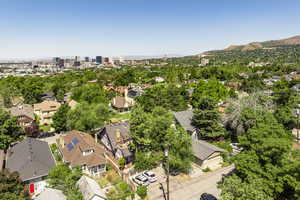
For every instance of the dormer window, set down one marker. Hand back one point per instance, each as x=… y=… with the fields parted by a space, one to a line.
x=88 y=152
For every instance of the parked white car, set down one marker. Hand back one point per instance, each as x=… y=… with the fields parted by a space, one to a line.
x=150 y=175
x=141 y=180
x=236 y=149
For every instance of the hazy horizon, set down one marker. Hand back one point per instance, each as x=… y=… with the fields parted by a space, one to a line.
x=37 y=29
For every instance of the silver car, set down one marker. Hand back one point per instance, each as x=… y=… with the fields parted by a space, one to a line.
x=150 y=175
x=141 y=180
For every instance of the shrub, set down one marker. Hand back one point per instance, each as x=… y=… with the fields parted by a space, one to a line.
x=121 y=163
x=207 y=169
x=141 y=191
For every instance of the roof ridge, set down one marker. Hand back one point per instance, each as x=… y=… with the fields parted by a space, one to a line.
x=211 y=146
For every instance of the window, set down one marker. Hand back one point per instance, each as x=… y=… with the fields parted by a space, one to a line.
x=88 y=152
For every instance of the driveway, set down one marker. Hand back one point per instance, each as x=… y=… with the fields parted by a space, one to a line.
x=50 y=140
x=187 y=188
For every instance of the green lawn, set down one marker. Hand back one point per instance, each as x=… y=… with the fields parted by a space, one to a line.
x=121 y=116
x=45 y=128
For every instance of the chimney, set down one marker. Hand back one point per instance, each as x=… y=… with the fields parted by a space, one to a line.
x=118 y=136
x=61 y=141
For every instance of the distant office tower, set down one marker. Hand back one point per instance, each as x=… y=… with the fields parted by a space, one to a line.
x=77 y=58
x=61 y=63
x=99 y=59
x=106 y=60
x=87 y=59
x=76 y=64
x=58 y=62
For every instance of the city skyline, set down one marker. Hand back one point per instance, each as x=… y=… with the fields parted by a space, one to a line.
x=140 y=28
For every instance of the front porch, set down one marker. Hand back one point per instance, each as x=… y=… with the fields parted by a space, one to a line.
x=94 y=170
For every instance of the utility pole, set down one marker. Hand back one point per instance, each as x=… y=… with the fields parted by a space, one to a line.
x=167 y=171
x=298 y=116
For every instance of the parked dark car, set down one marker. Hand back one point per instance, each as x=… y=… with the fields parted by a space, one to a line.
x=175 y=173
x=46 y=134
x=206 y=196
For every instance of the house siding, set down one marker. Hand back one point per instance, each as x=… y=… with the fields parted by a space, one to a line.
x=105 y=141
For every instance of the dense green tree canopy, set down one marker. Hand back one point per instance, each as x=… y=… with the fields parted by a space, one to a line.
x=153 y=133
x=233 y=188
x=208 y=123
x=168 y=96
x=267 y=150
x=32 y=90
x=212 y=89
x=60 y=118
x=87 y=117
x=10 y=131
x=90 y=94
x=150 y=130
x=63 y=178
x=253 y=83
x=11 y=186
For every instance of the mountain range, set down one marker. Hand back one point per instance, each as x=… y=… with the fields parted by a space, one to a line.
x=271 y=44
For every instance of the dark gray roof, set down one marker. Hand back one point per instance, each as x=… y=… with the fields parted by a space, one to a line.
x=297 y=87
x=133 y=93
x=126 y=152
x=203 y=150
x=113 y=129
x=184 y=118
x=31 y=158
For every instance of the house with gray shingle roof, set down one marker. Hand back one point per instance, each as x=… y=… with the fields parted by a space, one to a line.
x=185 y=119
x=25 y=115
x=206 y=155
x=32 y=159
x=116 y=138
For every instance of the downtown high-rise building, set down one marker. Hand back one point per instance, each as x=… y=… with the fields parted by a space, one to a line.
x=77 y=58
x=58 y=62
x=99 y=59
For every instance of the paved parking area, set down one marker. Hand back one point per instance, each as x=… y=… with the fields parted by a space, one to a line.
x=187 y=187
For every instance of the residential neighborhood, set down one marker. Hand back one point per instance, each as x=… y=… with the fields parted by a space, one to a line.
x=149 y=100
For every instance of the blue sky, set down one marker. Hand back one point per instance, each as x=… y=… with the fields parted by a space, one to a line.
x=45 y=28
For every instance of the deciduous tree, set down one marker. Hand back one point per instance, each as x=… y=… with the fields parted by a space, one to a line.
x=60 y=118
